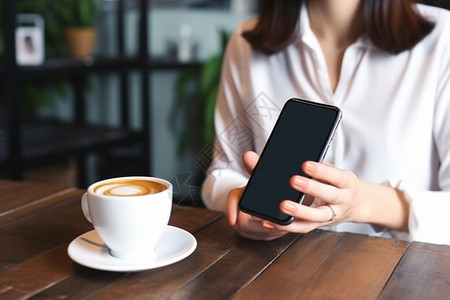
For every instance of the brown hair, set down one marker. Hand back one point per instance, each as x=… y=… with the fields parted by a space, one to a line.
x=392 y=25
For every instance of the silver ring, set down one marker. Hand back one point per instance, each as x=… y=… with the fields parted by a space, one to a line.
x=334 y=214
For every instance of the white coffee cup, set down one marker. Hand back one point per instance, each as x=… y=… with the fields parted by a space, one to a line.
x=129 y=213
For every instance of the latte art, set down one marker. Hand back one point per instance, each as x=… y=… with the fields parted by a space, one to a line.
x=131 y=187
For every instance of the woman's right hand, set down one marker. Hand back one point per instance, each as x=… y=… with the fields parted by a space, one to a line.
x=246 y=225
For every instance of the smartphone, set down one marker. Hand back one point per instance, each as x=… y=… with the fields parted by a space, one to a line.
x=303 y=131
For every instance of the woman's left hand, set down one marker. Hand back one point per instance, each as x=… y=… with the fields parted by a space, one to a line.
x=335 y=192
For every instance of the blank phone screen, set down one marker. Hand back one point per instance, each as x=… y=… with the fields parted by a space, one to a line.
x=302 y=132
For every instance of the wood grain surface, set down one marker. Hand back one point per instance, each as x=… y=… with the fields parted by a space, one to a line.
x=38 y=221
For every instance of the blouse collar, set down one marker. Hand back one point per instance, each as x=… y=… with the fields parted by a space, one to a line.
x=308 y=37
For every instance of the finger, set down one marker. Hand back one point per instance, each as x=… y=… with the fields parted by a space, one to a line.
x=329 y=173
x=311 y=220
x=232 y=205
x=321 y=214
x=298 y=226
x=250 y=158
x=315 y=189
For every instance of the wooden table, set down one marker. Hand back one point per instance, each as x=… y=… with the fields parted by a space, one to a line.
x=38 y=221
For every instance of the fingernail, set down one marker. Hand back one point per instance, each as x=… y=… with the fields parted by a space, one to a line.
x=300 y=182
x=268 y=225
x=310 y=167
x=289 y=207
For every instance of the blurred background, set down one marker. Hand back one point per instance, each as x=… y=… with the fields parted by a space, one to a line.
x=135 y=99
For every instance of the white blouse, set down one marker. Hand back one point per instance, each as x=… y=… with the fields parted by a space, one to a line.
x=395 y=128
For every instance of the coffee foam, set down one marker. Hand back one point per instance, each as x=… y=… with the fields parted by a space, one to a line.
x=130 y=187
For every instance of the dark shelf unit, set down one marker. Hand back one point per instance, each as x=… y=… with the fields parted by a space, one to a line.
x=46 y=140
x=60 y=67
x=24 y=143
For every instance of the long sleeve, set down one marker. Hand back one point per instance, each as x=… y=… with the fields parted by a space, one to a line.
x=232 y=136
x=429 y=219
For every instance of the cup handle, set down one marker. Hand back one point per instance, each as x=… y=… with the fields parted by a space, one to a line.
x=85 y=207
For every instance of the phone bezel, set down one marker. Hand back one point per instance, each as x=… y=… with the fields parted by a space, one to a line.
x=301 y=196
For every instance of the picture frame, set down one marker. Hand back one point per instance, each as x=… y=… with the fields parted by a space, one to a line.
x=29 y=38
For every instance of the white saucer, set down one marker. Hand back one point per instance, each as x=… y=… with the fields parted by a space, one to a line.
x=89 y=250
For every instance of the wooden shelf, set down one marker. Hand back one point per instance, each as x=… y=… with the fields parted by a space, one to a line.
x=74 y=67
x=44 y=140
x=66 y=67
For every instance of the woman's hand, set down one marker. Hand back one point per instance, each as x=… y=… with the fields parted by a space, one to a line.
x=338 y=196
x=246 y=225
x=335 y=193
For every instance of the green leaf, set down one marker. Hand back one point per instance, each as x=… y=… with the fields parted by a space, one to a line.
x=210 y=74
x=208 y=135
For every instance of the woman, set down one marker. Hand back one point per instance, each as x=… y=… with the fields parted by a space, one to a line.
x=386 y=64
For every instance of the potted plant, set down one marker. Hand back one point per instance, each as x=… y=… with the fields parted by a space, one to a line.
x=77 y=18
